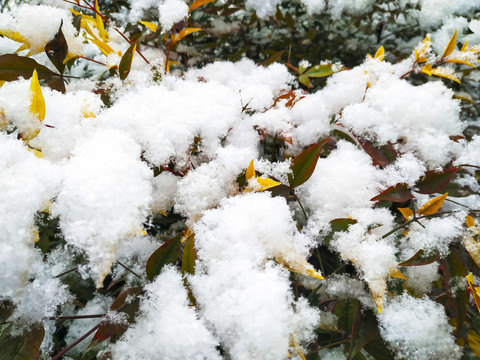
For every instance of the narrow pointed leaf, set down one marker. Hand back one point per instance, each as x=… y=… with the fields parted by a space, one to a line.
x=101 y=28
x=164 y=255
x=266 y=183
x=149 y=25
x=397 y=274
x=183 y=33
x=396 y=193
x=364 y=331
x=127 y=303
x=380 y=53
x=189 y=256
x=57 y=50
x=451 y=45
x=198 y=3
x=250 y=173
x=126 y=62
x=434 y=182
x=304 y=164
x=432 y=206
x=37 y=102
x=421 y=258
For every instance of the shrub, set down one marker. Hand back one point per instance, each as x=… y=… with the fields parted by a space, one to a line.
x=239 y=179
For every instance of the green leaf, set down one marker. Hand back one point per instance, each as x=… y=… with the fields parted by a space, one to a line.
x=345 y=311
x=305 y=80
x=289 y=20
x=434 y=182
x=281 y=190
x=130 y=307
x=322 y=70
x=164 y=255
x=420 y=258
x=364 y=330
x=336 y=225
x=57 y=50
x=379 y=350
x=23 y=345
x=396 y=193
x=13 y=66
x=304 y=164
x=453 y=267
x=126 y=62
x=189 y=256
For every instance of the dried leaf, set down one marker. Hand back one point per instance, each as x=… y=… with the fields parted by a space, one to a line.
x=451 y=45
x=37 y=102
x=432 y=206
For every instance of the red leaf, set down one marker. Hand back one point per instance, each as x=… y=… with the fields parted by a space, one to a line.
x=420 y=259
x=434 y=182
x=304 y=164
x=382 y=156
x=396 y=193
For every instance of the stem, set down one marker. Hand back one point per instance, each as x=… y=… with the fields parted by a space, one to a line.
x=128 y=269
x=76 y=342
x=327 y=346
x=95 y=61
x=301 y=206
x=74 y=317
x=452 y=201
x=416 y=220
x=167 y=58
x=66 y=272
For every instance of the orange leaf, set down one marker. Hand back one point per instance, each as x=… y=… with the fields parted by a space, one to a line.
x=198 y=3
x=183 y=33
x=470 y=222
x=432 y=206
x=406 y=212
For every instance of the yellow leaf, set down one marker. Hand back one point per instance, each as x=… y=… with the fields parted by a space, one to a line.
x=101 y=28
x=37 y=103
x=459 y=61
x=451 y=45
x=416 y=55
x=22 y=47
x=250 y=173
x=397 y=274
x=296 y=263
x=474 y=290
x=380 y=53
x=266 y=183
x=427 y=69
x=37 y=153
x=473 y=248
x=474 y=342
x=183 y=33
x=470 y=222
x=170 y=63
x=440 y=71
x=465 y=46
x=149 y=25
x=406 y=212
x=198 y=3
x=13 y=35
x=432 y=206
x=378 y=293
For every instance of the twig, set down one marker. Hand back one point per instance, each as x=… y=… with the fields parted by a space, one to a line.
x=66 y=272
x=301 y=206
x=93 y=316
x=327 y=346
x=416 y=220
x=95 y=61
x=128 y=269
x=76 y=342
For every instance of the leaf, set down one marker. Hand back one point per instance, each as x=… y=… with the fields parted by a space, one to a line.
x=473 y=247
x=21 y=344
x=250 y=173
x=451 y=45
x=406 y=212
x=37 y=102
x=445 y=73
x=189 y=257
x=126 y=62
x=435 y=181
x=164 y=255
x=432 y=206
x=149 y=25
x=469 y=221
x=305 y=80
x=395 y=193
x=123 y=303
x=57 y=50
x=103 y=47
x=453 y=267
x=281 y=190
x=473 y=340
x=379 y=350
x=183 y=33
x=474 y=291
x=198 y=3
x=380 y=54
x=289 y=21
x=382 y=156
x=304 y=164
x=266 y=183
x=13 y=66
x=336 y=225
x=460 y=61
x=323 y=70
x=364 y=330
x=100 y=27
x=421 y=258
x=345 y=311
x=397 y=274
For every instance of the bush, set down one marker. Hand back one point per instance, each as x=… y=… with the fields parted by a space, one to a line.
x=239 y=179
